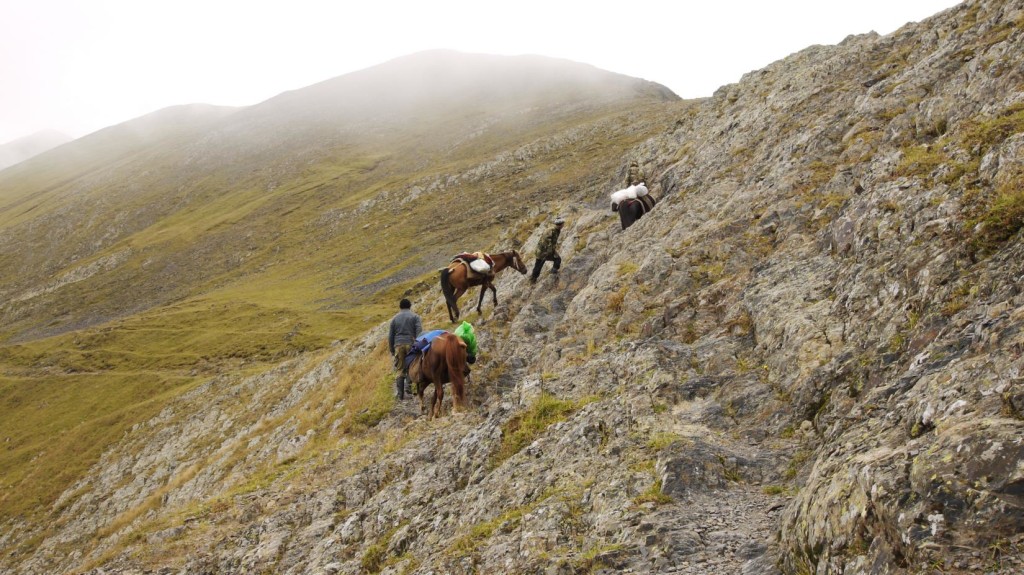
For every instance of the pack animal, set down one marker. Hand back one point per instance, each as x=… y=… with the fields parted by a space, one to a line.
x=632 y=203
x=630 y=211
x=444 y=362
x=456 y=279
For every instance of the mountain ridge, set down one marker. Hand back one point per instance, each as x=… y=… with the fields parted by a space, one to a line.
x=424 y=79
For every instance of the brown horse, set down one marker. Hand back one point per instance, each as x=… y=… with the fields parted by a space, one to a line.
x=455 y=280
x=444 y=362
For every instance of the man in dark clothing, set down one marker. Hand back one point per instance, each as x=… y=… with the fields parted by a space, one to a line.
x=404 y=328
x=547 y=250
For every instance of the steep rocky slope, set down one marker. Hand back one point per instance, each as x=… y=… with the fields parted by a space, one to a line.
x=806 y=359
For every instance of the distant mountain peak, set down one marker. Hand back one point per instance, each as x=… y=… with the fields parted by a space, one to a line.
x=19 y=150
x=439 y=79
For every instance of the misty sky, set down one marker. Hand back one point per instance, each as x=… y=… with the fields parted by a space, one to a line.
x=78 y=66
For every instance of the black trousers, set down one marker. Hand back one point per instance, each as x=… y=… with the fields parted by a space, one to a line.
x=540 y=264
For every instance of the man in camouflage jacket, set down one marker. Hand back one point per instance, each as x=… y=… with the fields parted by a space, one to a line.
x=635 y=175
x=547 y=250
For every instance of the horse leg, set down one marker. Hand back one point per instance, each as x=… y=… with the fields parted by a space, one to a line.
x=494 y=293
x=438 y=398
x=448 y=291
x=623 y=218
x=480 y=304
x=455 y=302
x=437 y=376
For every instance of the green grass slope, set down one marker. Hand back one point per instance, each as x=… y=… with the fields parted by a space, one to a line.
x=199 y=241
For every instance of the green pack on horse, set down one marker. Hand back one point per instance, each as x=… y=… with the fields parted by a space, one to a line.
x=459 y=276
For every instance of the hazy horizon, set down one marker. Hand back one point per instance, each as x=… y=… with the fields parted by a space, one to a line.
x=75 y=67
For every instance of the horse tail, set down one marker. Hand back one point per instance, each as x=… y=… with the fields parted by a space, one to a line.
x=455 y=357
x=448 y=291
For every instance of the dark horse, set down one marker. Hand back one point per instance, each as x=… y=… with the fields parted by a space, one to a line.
x=632 y=210
x=455 y=280
x=444 y=362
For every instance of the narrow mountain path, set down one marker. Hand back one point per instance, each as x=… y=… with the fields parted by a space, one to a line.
x=718 y=532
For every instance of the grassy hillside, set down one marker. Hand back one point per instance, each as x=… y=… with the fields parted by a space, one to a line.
x=196 y=243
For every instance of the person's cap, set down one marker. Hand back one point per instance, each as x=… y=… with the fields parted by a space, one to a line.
x=559 y=221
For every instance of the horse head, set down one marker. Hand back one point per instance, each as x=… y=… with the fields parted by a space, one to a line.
x=517 y=262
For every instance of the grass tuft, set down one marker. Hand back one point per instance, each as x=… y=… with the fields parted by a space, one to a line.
x=522 y=429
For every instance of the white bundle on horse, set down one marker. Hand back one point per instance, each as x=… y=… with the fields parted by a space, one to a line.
x=620 y=196
x=641 y=190
x=480 y=266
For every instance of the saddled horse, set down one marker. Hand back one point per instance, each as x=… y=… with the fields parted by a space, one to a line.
x=632 y=210
x=444 y=362
x=456 y=280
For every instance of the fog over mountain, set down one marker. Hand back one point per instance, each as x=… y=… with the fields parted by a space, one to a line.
x=24 y=148
x=395 y=124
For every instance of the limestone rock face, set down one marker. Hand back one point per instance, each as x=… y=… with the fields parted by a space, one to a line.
x=806 y=359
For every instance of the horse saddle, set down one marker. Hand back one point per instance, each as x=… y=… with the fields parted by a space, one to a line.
x=478 y=264
x=421 y=346
x=646 y=204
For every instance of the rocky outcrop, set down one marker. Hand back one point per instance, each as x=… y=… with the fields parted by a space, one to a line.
x=806 y=359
